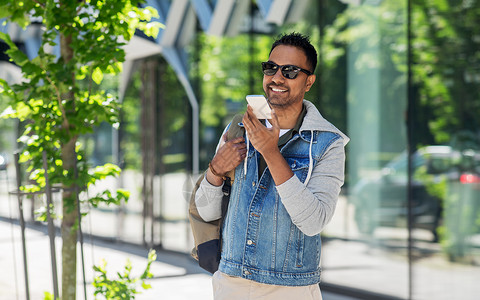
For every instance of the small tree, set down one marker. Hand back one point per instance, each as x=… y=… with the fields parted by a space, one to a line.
x=58 y=101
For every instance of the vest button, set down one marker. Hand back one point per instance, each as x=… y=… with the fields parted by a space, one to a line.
x=249 y=242
x=253 y=183
x=246 y=272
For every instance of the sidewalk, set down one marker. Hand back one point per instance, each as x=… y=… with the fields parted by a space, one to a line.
x=176 y=275
x=370 y=268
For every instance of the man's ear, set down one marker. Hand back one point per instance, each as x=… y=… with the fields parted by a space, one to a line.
x=310 y=82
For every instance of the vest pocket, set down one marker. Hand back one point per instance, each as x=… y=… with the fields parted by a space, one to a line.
x=299 y=167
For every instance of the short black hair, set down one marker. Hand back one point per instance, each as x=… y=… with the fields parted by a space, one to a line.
x=300 y=41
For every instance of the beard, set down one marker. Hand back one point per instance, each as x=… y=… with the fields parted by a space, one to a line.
x=283 y=99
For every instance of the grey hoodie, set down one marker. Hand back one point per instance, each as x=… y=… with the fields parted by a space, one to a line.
x=310 y=205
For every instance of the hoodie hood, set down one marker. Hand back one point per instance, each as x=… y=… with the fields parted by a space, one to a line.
x=315 y=121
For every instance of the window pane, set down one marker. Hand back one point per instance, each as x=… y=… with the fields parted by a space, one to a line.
x=366 y=243
x=446 y=85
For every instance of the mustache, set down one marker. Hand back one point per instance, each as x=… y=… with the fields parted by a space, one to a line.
x=271 y=85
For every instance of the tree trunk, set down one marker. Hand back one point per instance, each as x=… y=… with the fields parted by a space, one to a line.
x=70 y=215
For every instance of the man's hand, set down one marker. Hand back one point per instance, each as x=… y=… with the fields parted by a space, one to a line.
x=229 y=155
x=264 y=139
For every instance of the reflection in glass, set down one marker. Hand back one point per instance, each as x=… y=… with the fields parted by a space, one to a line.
x=373 y=256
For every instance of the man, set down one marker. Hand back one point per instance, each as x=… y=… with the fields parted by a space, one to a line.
x=288 y=175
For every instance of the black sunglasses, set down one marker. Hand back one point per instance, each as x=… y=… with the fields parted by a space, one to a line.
x=288 y=71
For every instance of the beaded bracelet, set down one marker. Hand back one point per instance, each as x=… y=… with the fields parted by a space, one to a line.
x=215 y=172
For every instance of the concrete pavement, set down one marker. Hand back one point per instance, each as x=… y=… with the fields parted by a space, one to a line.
x=176 y=275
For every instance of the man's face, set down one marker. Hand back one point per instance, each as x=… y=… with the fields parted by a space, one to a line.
x=282 y=92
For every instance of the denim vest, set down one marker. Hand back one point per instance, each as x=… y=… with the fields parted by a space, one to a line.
x=260 y=242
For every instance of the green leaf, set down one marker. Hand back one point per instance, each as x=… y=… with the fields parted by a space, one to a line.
x=97 y=75
x=48 y=296
x=106 y=170
x=122 y=195
x=15 y=54
x=22 y=111
x=146 y=286
x=5 y=88
x=6 y=38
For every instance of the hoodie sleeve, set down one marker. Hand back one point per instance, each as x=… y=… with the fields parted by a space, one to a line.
x=208 y=198
x=209 y=201
x=311 y=207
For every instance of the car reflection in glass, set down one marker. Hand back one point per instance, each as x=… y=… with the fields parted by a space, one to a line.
x=382 y=201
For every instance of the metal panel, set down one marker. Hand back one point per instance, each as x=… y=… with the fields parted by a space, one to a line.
x=278 y=11
x=204 y=12
x=221 y=16
x=175 y=19
x=264 y=6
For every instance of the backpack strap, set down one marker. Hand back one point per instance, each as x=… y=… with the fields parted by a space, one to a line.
x=234 y=131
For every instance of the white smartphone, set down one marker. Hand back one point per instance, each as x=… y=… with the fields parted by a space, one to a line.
x=260 y=106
